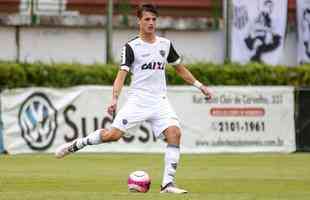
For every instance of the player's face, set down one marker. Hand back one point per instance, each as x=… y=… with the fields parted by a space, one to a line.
x=147 y=23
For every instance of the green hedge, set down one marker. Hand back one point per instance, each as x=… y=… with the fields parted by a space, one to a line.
x=14 y=75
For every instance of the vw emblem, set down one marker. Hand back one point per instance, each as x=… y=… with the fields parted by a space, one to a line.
x=37 y=120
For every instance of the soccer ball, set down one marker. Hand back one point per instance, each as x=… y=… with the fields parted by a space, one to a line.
x=139 y=181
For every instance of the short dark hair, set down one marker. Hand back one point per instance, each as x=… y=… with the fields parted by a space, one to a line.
x=146 y=8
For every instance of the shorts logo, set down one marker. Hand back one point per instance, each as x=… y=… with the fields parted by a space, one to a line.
x=37 y=120
x=125 y=121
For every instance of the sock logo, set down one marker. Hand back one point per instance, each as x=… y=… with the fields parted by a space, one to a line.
x=174 y=166
x=88 y=142
x=37 y=119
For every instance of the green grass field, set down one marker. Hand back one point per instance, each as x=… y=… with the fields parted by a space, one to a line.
x=104 y=177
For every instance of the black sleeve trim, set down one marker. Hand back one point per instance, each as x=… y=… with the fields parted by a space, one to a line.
x=127 y=56
x=173 y=56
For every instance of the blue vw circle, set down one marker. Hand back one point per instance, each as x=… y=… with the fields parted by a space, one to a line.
x=37 y=120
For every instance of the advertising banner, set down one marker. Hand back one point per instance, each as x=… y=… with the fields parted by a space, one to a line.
x=237 y=119
x=41 y=119
x=258 y=30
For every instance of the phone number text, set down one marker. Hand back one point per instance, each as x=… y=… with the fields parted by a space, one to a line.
x=238 y=126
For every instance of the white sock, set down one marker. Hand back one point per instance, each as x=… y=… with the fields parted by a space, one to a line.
x=91 y=139
x=172 y=157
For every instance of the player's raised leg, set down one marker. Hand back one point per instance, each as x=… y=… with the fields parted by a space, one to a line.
x=94 y=138
x=172 y=157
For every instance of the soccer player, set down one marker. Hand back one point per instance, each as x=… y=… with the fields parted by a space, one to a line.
x=145 y=57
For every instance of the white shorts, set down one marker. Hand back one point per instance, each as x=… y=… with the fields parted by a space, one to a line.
x=135 y=112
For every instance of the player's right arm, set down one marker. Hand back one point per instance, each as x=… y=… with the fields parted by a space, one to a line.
x=117 y=87
x=127 y=58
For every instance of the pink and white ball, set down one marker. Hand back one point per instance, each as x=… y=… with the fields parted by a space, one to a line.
x=139 y=181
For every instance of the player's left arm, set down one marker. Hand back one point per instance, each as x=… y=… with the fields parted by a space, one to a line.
x=188 y=77
x=174 y=59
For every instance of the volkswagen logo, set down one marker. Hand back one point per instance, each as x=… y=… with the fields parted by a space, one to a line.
x=37 y=119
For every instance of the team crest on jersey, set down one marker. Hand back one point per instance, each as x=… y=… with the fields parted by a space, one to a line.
x=162 y=53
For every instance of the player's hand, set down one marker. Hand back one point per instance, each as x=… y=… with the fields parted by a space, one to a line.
x=112 y=107
x=206 y=91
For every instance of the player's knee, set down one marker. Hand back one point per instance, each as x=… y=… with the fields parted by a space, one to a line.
x=177 y=134
x=173 y=133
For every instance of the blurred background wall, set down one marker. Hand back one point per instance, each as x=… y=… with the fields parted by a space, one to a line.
x=75 y=30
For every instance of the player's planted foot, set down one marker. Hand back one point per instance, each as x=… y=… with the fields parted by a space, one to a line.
x=171 y=188
x=66 y=149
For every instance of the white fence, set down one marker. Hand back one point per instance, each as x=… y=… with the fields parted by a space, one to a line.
x=88 y=45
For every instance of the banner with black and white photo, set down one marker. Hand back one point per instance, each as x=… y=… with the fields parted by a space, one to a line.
x=303 y=19
x=258 y=30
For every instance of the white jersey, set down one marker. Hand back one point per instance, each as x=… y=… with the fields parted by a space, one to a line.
x=147 y=63
x=147 y=95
